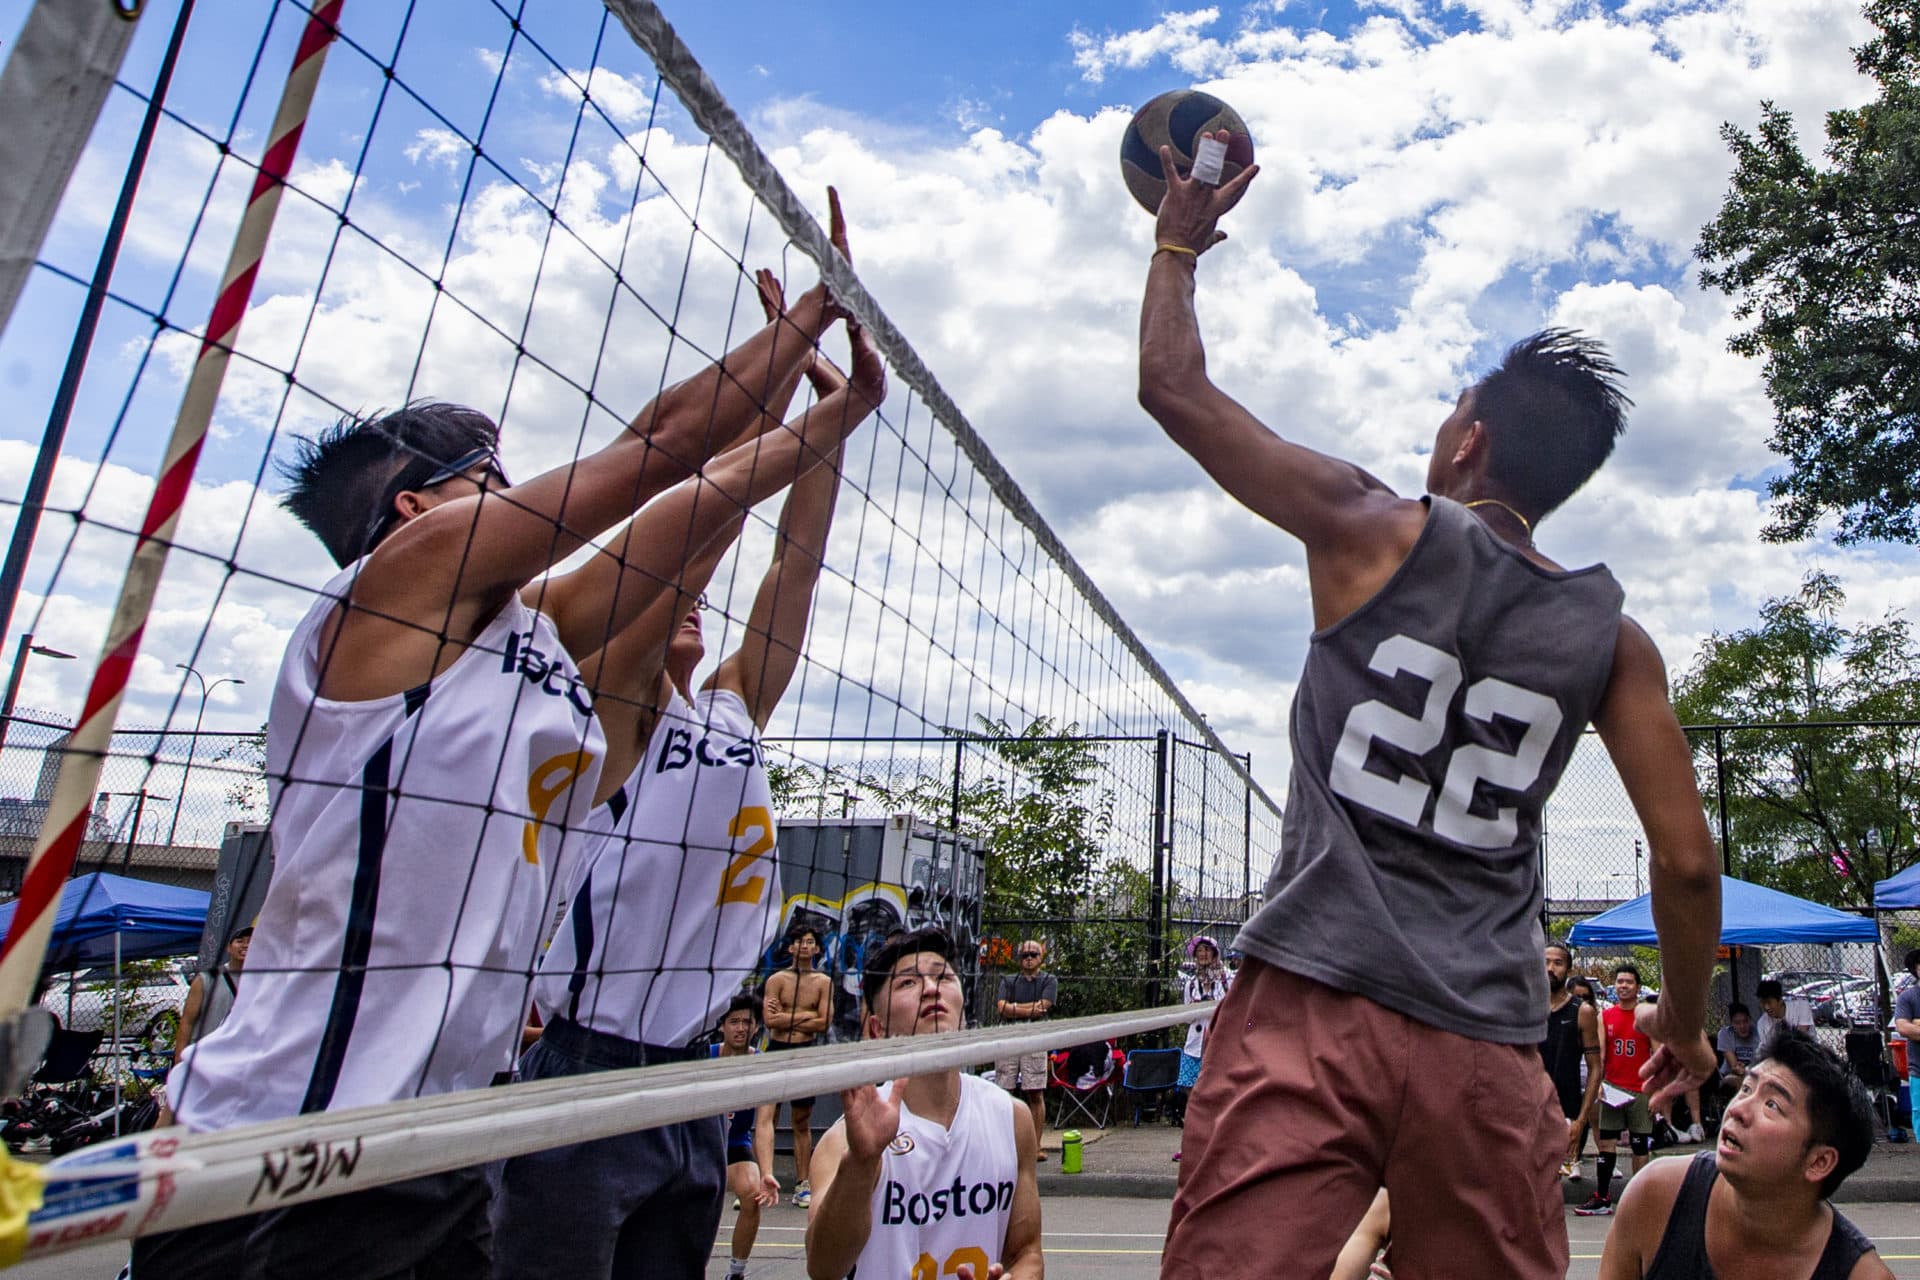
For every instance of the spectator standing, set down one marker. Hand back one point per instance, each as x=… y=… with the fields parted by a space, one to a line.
x=799 y=1008
x=209 y=1001
x=1028 y=996
x=1623 y=1105
x=1570 y=1053
x=1208 y=981
x=749 y=1140
x=1906 y=1020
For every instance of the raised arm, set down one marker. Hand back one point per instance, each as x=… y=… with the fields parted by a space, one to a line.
x=762 y=667
x=1021 y=1257
x=1641 y=733
x=1337 y=510
x=677 y=541
x=595 y=602
x=844 y=1172
x=443 y=574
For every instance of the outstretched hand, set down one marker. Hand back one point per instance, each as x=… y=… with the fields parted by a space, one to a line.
x=1191 y=210
x=872 y=1121
x=822 y=372
x=965 y=1272
x=1682 y=1060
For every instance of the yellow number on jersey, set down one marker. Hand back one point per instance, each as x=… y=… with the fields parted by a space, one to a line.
x=548 y=782
x=738 y=885
x=927 y=1269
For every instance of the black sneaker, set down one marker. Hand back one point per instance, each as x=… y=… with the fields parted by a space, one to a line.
x=1597 y=1206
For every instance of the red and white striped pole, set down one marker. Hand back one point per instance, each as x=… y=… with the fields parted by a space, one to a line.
x=66 y=820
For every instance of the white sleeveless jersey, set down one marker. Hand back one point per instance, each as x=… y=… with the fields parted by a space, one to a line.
x=945 y=1195
x=415 y=838
x=677 y=892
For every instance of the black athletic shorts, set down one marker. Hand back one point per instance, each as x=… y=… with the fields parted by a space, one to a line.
x=432 y=1228
x=775 y=1046
x=1570 y=1099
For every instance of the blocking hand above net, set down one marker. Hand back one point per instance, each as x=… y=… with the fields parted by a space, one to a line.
x=442 y=538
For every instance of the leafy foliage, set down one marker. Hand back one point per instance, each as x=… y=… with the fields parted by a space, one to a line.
x=1044 y=819
x=1825 y=263
x=1821 y=812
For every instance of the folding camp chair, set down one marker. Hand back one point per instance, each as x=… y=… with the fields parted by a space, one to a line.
x=1150 y=1076
x=1868 y=1060
x=1084 y=1077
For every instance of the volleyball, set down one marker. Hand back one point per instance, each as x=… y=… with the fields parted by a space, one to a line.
x=1177 y=119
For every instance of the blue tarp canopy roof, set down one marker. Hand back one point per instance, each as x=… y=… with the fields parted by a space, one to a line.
x=153 y=920
x=1901 y=891
x=1750 y=915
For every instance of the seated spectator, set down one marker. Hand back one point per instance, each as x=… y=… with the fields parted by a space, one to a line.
x=1798 y=1127
x=1739 y=1044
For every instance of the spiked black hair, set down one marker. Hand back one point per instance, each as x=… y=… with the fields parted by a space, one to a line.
x=338 y=480
x=1553 y=408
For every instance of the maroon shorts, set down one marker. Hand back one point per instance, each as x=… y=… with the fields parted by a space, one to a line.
x=1311 y=1099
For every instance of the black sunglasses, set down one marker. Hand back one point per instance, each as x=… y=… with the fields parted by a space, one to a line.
x=1030 y=955
x=384 y=514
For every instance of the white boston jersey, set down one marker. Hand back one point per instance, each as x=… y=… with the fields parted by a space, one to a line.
x=414 y=841
x=945 y=1194
x=678 y=888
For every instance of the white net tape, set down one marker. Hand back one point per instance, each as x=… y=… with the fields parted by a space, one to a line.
x=169 y=1179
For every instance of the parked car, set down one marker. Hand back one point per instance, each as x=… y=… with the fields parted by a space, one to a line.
x=1854 y=1001
x=150 y=1003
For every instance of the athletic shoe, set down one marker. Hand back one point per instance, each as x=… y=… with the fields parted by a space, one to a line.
x=802 y=1195
x=1696 y=1134
x=1597 y=1206
x=1570 y=1170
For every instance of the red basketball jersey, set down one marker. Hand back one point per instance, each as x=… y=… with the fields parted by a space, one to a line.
x=1627 y=1049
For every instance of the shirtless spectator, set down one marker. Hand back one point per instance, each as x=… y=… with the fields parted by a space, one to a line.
x=799 y=1009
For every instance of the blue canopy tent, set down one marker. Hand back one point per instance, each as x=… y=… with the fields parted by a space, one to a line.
x=1901 y=891
x=104 y=919
x=1750 y=915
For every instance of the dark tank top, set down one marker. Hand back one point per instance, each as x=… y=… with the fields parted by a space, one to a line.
x=1561 y=1051
x=1683 y=1249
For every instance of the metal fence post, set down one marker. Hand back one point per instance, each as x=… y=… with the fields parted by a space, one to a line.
x=1246 y=840
x=1157 y=899
x=1726 y=841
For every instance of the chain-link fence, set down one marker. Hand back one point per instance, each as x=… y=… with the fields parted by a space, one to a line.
x=165 y=801
x=1111 y=850
x=1818 y=810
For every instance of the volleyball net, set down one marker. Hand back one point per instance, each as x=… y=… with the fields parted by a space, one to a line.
x=555 y=220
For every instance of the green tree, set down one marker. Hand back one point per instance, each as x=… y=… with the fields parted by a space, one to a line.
x=1821 y=812
x=1824 y=261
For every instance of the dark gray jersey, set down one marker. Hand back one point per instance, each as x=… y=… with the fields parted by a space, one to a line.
x=1429 y=728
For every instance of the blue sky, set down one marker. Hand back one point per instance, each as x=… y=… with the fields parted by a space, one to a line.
x=1438 y=179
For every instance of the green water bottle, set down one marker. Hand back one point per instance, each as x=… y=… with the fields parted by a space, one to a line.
x=1070 y=1151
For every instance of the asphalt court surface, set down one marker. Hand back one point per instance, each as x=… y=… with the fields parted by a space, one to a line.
x=1087 y=1238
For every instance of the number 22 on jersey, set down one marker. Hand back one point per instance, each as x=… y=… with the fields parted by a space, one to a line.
x=740 y=883
x=1405 y=798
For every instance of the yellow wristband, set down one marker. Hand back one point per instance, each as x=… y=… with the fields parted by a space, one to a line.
x=1176 y=248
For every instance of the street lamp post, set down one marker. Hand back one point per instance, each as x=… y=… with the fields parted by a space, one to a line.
x=140 y=799
x=25 y=647
x=193 y=744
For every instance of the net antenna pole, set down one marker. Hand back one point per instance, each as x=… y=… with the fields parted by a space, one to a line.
x=55 y=83
x=66 y=820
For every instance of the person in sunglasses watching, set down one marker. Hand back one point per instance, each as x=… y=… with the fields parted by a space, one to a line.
x=430 y=740
x=1028 y=996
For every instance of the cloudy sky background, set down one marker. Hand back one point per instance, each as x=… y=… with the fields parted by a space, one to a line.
x=1437 y=180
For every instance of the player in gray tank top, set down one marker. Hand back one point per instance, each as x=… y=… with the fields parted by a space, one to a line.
x=1798 y=1127
x=1452 y=670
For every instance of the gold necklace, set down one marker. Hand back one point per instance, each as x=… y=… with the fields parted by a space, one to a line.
x=1525 y=524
